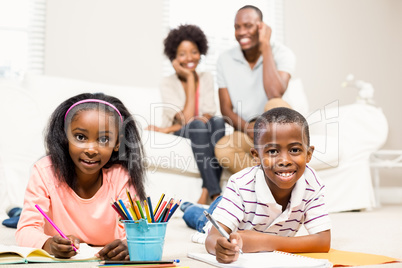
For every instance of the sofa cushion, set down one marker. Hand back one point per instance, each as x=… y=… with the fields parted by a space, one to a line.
x=169 y=152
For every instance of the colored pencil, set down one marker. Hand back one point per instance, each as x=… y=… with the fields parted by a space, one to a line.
x=118 y=212
x=137 y=211
x=162 y=213
x=159 y=203
x=140 y=208
x=118 y=207
x=140 y=262
x=129 y=198
x=166 y=265
x=54 y=225
x=125 y=210
x=168 y=207
x=172 y=210
x=133 y=213
x=161 y=208
x=150 y=209
x=146 y=208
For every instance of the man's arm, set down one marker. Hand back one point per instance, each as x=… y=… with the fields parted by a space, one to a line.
x=254 y=242
x=275 y=82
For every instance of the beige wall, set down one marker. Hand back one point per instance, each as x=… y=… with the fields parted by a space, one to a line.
x=332 y=38
x=117 y=42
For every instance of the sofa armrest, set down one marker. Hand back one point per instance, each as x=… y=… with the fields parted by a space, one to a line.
x=346 y=133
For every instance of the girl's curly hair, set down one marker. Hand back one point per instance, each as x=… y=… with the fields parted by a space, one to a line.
x=187 y=32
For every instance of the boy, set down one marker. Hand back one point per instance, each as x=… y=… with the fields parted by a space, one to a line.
x=264 y=206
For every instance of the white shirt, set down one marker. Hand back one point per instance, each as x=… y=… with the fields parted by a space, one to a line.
x=245 y=85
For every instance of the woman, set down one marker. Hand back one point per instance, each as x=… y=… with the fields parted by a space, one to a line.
x=190 y=104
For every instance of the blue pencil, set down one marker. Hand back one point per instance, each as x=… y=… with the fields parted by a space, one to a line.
x=165 y=211
x=173 y=210
x=125 y=210
x=150 y=209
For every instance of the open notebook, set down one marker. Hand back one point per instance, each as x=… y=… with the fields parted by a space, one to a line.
x=15 y=254
x=276 y=259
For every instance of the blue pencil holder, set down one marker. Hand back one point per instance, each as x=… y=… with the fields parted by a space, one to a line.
x=145 y=240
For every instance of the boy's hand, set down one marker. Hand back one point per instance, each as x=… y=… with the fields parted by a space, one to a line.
x=115 y=251
x=61 y=247
x=227 y=252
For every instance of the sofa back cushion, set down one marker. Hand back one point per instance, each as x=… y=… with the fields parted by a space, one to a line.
x=51 y=91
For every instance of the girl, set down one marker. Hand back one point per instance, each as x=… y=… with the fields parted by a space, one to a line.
x=94 y=154
x=191 y=108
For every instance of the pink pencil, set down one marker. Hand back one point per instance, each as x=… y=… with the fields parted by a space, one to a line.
x=161 y=208
x=54 y=225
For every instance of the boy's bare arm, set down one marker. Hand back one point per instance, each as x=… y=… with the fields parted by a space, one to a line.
x=254 y=242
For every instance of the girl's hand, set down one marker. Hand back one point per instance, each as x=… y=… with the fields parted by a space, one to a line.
x=61 y=247
x=227 y=252
x=153 y=128
x=157 y=129
x=180 y=70
x=115 y=251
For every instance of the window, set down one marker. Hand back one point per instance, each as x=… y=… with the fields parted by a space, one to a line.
x=216 y=19
x=22 y=35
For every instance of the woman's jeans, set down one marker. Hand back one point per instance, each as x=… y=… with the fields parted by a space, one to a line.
x=194 y=215
x=203 y=138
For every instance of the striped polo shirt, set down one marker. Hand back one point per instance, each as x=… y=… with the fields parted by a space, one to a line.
x=248 y=204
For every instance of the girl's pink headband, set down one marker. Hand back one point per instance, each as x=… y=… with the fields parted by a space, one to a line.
x=93 y=100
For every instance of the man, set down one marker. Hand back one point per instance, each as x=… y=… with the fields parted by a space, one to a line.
x=252 y=78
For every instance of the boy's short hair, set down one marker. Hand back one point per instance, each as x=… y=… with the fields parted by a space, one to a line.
x=280 y=115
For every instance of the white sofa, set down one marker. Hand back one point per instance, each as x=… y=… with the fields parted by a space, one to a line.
x=344 y=138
